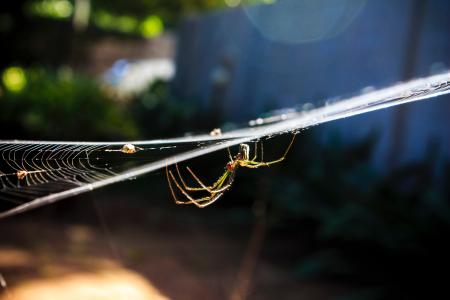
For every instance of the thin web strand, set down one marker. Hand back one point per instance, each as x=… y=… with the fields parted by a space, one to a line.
x=57 y=170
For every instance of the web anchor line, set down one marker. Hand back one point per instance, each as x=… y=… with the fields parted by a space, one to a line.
x=37 y=173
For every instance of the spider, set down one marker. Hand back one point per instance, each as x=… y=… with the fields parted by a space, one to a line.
x=218 y=188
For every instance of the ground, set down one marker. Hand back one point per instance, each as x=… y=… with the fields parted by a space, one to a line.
x=175 y=255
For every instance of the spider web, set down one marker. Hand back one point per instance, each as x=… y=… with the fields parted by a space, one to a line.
x=36 y=173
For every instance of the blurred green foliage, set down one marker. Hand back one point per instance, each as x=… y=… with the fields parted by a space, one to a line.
x=37 y=103
x=57 y=9
x=148 y=27
x=43 y=104
x=29 y=29
x=171 y=11
x=169 y=115
x=145 y=17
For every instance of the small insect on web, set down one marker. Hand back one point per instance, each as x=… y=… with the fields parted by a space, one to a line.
x=30 y=170
x=218 y=188
x=127 y=149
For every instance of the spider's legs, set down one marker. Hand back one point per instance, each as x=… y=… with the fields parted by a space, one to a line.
x=197 y=202
x=256 y=164
x=256 y=151
x=212 y=200
x=229 y=154
x=216 y=191
x=285 y=152
x=171 y=178
x=261 y=145
x=262 y=151
x=202 y=188
x=217 y=186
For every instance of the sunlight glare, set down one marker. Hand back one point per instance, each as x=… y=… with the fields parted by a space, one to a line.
x=107 y=284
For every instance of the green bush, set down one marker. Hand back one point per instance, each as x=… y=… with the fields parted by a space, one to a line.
x=159 y=114
x=60 y=105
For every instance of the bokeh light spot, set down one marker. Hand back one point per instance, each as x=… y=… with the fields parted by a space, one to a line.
x=151 y=27
x=14 y=79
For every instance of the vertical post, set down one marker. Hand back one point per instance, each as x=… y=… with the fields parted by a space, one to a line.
x=254 y=245
x=221 y=79
x=411 y=52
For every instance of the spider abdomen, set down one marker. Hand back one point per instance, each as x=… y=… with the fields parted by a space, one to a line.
x=231 y=166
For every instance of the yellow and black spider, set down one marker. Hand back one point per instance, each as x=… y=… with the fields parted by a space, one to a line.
x=216 y=190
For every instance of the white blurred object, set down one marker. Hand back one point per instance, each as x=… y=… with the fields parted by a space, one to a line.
x=134 y=77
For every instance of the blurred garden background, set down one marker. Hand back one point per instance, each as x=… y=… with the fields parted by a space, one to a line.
x=359 y=210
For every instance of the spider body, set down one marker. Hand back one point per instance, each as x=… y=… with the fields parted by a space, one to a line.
x=240 y=159
x=218 y=188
